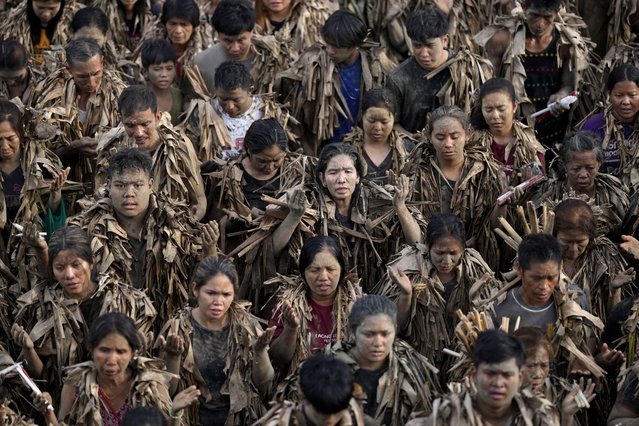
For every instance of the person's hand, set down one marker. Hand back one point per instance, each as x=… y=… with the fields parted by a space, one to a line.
x=296 y=201
x=210 y=237
x=558 y=108
x=630 y=245
x=43 y=402
x=263 y=340
x=610 y=358
x=173 y=345
x=32 y=237
x=623 y=278
x=399 y=199
x=579 y=369
x=185 y=398
x=289 y=316
x=55 y=189
x=86 y=145
x=569 y=405
x=21 y=337
x=401 y=279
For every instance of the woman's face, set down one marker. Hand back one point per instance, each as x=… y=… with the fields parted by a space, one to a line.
x=214 y=298
x=73 y=273
x=535 y=370
x=378 y=123
x=624 y=98
x=46 y=10
x=374 y=341
x=322 y=276
x=112 y=356
x=448 y=137
x=128 y=4
x=179 y=31
x=573 y=243
x=582 y=170
x=267 y=161
x=446 y=253
x=340 y=177
x=9 y=143
x=498 y=110
x=277 y=6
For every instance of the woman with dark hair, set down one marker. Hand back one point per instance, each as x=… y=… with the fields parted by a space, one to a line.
x=219 y=346
x=53 y=319
x=18 y=76
x=39 y=24
x=128 y=19
x=616 y=125
x=429 y=284
x=311 y=309
x=377 y=142
x=512 y=143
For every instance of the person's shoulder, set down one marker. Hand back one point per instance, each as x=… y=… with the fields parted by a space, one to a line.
x=407 y=66
x=594 y=122
x=209 y=54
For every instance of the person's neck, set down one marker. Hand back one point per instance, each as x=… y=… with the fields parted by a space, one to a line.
x=614 y=114
x=373 y=145
x=445 y=277
x=212 y=325
x=323 y=300
x=452 y=168
x=494 y=416
x=9 y=166
x=538 y=43
x=133 y=226
x=501 y=136
x=17 y=91
x=589 y=192
x=159 y=92
x=365 y=364
x=343 y=205
x=179 y=49
x=280 y=16
x=83 y=100
x=115 y=382
x=350 y=61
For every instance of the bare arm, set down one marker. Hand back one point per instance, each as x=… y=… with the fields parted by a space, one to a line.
x=283 y=233
x=263 y=372
x=405 y=297
x=284 y=346
x=173 y=347
x=32 y=362
x=412 y=231
x=66 y=401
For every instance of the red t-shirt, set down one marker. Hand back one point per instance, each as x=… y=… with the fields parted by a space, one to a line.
x=499 y=154
x=320 y=328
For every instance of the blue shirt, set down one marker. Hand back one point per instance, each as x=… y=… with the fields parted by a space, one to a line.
x=350 y=85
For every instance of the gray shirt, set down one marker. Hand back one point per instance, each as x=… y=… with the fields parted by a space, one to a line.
x=208 y=60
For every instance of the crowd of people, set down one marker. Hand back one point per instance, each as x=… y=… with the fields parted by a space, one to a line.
x=319 y=212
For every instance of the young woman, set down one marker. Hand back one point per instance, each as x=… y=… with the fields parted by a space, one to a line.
x=129 y=20
x=377 y=142
x=64 y=308
x=311 y=310
x=512 y=143
x=616 y=124
x=219 y=346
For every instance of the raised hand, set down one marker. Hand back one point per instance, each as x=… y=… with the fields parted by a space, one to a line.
x=173 y=344
x=263 y=340
x=623 y=278
x=289 y=316
x=296 y=201
x=399 y=199
x=401 y=279
x=21 y=337
x=210 y=237
x=185 y=398
x=571 y=403
x=55 y=189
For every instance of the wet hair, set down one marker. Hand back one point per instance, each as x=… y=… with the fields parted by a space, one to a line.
x=379 y=98
x=13 y=55
x=625 y=72
x=34 y=22
x=495 y=346
x=344 y=29
x=90 y=17
x=74 y=239
x=156 y=52
x=538 y=248
x=326 y=383
x=182 y=9
x=137 y=98
x=574 y=214
x=81 y=50
x=144 y=416
x=580 y=142
x=131 y=159
x=315 y=245
x=448 y=111
x=212 y=266
x=233 y=17
x=368 y=306
x=550 y=5
x=231 y=75
x=442 y=225
x=263 y=134
x=333 y=150
x=11 y=114
x=427 y=23
x=114 y=322
x=533 y=338
x=494 y=85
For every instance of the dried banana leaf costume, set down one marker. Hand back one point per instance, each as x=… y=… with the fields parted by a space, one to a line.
x=149 y=389
x=16 y=25
x=610 y=195
x=246 y=404
x=473 y=196
x=8 y=417
x=312 y=88
x=432 y=319
x=57 y=104
x=295 y=291
x=292 y=414
x=525 y=146
x=117 y=23
x=175 y=170
x=620 y=29
x=34 y=77
x=171 y=249
x=58 y=327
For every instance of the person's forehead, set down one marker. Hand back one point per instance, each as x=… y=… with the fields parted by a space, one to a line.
x=540 y=11
x=130 y=175
x=508 y=365
x=94 y=63
x=227 y=37
x=543 y=267
x=237 y=92
x=139 y=116
x=177 y=21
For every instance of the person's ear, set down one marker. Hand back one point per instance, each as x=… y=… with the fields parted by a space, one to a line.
x=251 y=90
x=322 y=179
x=445 y=39
x=150 y=182
x=520 y=271
x=472 y=374
x=145 y=74
x=158 y=115
x=193 y=290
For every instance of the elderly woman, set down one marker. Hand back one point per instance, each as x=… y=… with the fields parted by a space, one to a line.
x=221 y=347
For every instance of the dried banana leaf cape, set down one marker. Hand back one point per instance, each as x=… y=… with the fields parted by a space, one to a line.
x=58 y=328
x=292 y=414
x=294 y=290
x=620 y=28
x=118 y=25
x=6 y=304
x=34 y=77
x=16 y=25
x=172 y=243
x=272 y=54
x=525 y=146
x=246 y=404
x=432 y=320
x=8 y=417
x=409 y=384
x=610 y=199
x=473 y=196
x=315 y=97
x=396 y=141
x=149 y=389
x=569 y=27
x=630 y=329
x=175 y=171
